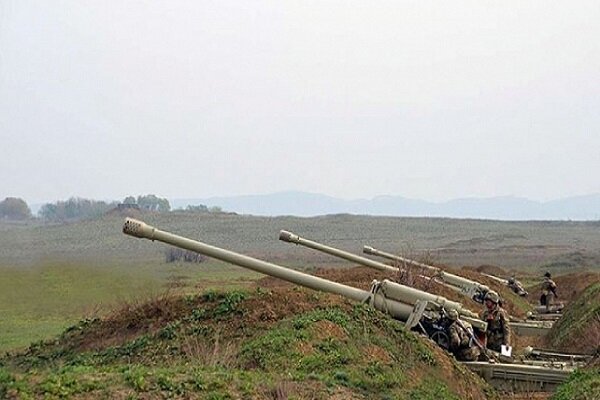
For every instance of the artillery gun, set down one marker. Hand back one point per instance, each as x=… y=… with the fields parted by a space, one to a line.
x=474 y=290
x=392 y=298
x=290 y=237
x=386 y=296
x=514 y=285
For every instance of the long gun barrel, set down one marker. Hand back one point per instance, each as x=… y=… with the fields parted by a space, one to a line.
x=289 y=237
x=386 y=296
x=475 y=290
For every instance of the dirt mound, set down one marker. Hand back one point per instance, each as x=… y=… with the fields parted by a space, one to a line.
x=269 y=343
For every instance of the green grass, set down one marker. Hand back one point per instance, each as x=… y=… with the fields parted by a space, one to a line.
x=351 y=350
x=580 y=325
x=37 y=303
x=582 y=385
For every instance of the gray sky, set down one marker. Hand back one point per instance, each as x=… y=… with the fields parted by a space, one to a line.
x=431 y=100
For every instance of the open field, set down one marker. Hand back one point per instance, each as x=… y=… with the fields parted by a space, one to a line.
x=54 y=275
x=523 y=245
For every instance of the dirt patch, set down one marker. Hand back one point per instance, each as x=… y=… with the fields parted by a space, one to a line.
x=131 y=320
x=376 y=353
x=326 y=329
x=571 y=286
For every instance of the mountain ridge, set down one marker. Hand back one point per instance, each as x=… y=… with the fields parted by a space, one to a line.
x=305 y=204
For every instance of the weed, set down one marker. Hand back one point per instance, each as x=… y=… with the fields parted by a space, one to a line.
x=136 y=377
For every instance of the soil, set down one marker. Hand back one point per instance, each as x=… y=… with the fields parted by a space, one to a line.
x=570 y=286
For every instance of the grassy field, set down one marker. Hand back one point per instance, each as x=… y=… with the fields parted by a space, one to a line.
x=40 y=301
x=53 y=275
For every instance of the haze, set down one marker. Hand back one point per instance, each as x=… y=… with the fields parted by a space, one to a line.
x=430 y=100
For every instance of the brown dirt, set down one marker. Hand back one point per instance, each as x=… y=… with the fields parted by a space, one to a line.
x=570 y=286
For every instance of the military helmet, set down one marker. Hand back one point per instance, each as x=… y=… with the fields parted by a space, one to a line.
x=492 y=296
x=548 y=274
x=453 y=315
x=511 y=280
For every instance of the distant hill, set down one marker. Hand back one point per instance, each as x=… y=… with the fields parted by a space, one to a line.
x=311 y=204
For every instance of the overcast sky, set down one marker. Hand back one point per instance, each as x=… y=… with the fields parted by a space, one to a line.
x=431 y=100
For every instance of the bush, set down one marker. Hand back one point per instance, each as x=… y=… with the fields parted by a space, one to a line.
x=174 y=254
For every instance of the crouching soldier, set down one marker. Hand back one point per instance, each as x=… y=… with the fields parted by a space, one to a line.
x=461 y=344
x=498 y=329
x=517 y=287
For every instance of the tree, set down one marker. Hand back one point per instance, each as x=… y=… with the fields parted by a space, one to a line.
x=199 y=208
x=14 y=208
x=129 y=200
x=153 y=203
x=74 y=209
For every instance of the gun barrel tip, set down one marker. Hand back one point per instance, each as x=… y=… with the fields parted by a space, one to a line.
x=368 y=249
x=285 y=236
x=133 y=227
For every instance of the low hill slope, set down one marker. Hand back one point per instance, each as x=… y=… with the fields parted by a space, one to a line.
x=579 y=328
x=273 y=343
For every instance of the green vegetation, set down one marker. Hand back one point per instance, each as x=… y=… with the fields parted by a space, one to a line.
x=37 y=303
x=579 y=328
x=220 y=346
x=74 y=208
x=582 y=385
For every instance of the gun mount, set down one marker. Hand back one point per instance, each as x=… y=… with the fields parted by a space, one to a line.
x=474 y=290
x=386 y=296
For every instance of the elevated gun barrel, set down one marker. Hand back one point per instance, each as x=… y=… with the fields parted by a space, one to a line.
x=497 y=279
x=290 y=237
x=390 y=290
x=475 y=289
x=374 y=252
x=396 y=309
x=142 y=230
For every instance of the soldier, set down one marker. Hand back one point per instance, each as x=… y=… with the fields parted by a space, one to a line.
x=498 y=330
x=461 y=339
x=548 y=291
x=517 y=287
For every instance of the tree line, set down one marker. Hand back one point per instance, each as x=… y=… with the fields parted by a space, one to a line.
x=77 y=208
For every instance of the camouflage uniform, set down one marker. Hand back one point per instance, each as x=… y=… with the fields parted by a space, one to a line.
x=498 y=330
x=461 y=344
x=548 y=292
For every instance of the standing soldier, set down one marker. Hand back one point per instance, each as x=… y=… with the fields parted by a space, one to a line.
x=498 y=330
x=461 y=339
x=548 y=291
